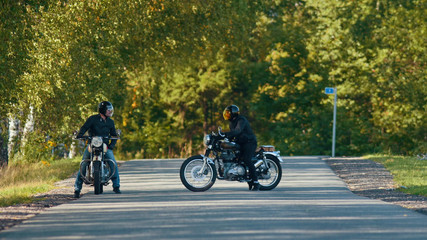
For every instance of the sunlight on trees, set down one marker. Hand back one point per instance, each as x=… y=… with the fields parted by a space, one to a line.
x=170 y=67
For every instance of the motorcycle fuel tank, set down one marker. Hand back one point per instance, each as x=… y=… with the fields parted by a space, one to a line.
x=229 y=145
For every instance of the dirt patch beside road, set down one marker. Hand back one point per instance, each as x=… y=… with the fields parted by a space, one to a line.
x=370 y=179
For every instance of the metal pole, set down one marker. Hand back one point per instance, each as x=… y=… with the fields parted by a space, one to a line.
x=334 y=123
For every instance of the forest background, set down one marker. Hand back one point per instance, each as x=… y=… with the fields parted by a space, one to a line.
x=170 y=67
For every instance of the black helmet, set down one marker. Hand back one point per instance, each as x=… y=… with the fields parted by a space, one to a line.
x=104 y=106
x=231 y=112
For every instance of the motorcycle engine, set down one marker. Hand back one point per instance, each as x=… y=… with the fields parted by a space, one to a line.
x=227 y=155
x=233 y=171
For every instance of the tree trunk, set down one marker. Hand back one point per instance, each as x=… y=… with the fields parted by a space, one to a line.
x=28 y=127
x=3 y=150
x=73 y=150
x=13 y=135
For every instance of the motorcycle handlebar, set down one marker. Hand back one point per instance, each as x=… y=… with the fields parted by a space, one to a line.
x=220 y=133
x=90 y=137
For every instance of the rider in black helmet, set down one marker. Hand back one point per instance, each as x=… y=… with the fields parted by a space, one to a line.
x=100 y=125
x=241 y=131
x=104 y=106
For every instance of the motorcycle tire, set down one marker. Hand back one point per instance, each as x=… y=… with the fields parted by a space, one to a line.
x=271 y=179
x=194 y=181
x=97 y=177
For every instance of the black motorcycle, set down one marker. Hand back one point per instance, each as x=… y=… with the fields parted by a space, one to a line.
x=98 y=169
x=198 y=173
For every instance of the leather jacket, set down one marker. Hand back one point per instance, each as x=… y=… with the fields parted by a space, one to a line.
x=99 y=127
x=241 y=131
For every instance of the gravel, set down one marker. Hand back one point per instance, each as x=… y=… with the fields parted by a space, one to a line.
x=370 y=179
x=363 y=177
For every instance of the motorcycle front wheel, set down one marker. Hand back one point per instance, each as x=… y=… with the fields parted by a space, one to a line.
x=191 y=177
x=97 y=177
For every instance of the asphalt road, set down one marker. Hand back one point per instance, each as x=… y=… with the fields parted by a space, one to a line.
x=309 y=203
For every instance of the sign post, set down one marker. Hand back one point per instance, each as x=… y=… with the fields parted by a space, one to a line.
x=328 y=91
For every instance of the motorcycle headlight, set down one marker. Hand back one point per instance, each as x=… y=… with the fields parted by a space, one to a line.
x=207 y=139
x=97 y=141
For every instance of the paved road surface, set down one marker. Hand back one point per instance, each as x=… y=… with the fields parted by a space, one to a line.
x=309 y=203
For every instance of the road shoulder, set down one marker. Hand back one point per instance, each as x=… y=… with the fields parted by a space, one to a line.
x=370 y=179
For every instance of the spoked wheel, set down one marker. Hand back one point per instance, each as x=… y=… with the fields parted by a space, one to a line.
x=270 y=178
x=193 y=179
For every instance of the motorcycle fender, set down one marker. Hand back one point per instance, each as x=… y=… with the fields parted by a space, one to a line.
x=275 y=155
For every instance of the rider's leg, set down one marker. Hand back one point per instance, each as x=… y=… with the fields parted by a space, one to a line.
x=79 y=181
x=248 y=150
x=116 y=178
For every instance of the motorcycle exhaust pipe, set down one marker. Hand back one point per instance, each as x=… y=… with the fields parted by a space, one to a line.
x=259 y=163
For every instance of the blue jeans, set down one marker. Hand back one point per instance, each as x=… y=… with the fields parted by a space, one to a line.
x=86 y=155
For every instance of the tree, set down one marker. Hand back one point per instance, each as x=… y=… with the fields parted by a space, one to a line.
x=373 y=51
x=16 y=34
x=170 y=67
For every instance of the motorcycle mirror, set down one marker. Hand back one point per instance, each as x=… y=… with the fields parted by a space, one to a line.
x=75 y=134
x=119 y=132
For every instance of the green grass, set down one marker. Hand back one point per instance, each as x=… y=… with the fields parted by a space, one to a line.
x=22 y=193
x=409 y=172
x=20 y=181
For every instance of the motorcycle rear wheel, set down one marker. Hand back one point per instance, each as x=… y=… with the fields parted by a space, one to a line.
x=194 y=181
x=271 y=179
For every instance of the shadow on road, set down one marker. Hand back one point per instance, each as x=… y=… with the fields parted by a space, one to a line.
x=309 y=203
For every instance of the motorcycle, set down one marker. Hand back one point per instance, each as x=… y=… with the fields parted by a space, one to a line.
x=98 y=169
x=199 y=173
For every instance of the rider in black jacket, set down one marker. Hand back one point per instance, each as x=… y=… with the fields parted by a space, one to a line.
x=241 y=131
x=100 y=125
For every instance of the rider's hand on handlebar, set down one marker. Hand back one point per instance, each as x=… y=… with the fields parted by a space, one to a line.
x=220 y=132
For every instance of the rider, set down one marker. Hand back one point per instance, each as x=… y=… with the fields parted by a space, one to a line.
x=242 y=132
x=100 y=125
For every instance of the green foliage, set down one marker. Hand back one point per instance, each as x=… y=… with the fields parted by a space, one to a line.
x=184 y=104
x=170 y=68
x=34 y=149
x=363 y=45
x=15 y=36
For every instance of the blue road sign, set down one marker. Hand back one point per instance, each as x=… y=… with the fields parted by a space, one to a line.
x=329 y=90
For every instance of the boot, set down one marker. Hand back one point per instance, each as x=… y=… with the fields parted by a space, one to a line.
x=76 y=194
x=250 y=184
x=256 y=186
x=117 y=190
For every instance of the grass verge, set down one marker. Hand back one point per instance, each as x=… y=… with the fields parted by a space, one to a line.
x=409 y=172
x=20 y=181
